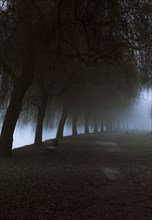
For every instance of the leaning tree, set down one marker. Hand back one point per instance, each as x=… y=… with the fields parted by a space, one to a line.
x=95 y=31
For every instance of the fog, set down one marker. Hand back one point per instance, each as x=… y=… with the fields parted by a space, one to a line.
x=138 y=118
x=140 y=115
x=142 y=111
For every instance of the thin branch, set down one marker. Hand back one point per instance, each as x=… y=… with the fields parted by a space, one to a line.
x=81 y=21
x=59 y=11
x=7 y=69
x=62 y=91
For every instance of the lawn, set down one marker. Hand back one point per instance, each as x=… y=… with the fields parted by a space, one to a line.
x=137 y=141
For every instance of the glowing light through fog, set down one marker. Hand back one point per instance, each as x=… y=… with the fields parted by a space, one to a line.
x=142 y=111
x=3 y=5
x=140 y=119
x=147 y=96
x=23 y=136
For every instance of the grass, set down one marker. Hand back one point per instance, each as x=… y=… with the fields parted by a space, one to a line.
x=138 y=141
x=80 y=181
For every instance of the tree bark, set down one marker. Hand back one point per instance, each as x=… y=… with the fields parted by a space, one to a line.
x=62 y=122
x=11 y=118
x=118 y=125
x=110 y=125
x=114 y=125
x=74 y=123
x=23 y=81
x=40 y=119
x=102 y=126
x=86 y=124
x=107 y=125
x=95 y=125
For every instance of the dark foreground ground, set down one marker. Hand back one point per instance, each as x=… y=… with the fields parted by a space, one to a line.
x=91 y=177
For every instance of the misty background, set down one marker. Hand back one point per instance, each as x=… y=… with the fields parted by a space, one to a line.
x=139 y=118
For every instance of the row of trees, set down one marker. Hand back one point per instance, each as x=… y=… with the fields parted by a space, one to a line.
x=91 y=55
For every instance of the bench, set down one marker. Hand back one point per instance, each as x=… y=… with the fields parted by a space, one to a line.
x=53 y=146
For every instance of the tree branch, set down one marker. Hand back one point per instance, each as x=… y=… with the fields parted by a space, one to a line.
x=7 y=69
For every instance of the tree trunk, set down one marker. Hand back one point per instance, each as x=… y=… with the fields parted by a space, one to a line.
x=11 y=118
x=107 y=125
x=86 y=124
x=23 y=81
x=102 y=126
x=40 y=120
x=114 y=125
x=62 y=122
x=95 y=125
x=110 y=125
x=74 y=123
x=123 y=125
x=118 y=125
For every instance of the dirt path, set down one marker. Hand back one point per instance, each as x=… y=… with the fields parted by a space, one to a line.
x=91 y=177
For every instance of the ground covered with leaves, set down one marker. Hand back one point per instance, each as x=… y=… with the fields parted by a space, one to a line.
x=88 y=177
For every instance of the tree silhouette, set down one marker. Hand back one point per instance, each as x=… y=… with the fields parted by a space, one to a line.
x=94 y=33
